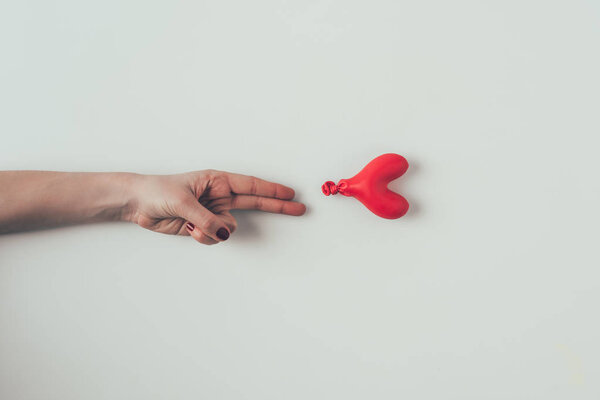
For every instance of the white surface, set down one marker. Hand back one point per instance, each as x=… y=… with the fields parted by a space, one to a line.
x=488 y=288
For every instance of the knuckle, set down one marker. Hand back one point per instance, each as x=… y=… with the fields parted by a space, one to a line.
x=206 y=224
x=211 y=173
x=253 y=185
x=260 y=203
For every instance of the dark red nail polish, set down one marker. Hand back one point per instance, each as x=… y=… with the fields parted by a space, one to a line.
x=223 y=234
x=189 y=226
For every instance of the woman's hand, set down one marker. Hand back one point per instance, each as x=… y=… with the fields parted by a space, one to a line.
x=198 y=203
x=194 y=203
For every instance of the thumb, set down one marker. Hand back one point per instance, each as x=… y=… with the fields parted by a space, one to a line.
x=203 y=219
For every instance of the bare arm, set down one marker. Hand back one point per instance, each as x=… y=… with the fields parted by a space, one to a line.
x=39 y=199
x=194 y=203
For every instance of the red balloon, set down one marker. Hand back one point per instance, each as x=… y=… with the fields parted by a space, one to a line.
x=370 y=186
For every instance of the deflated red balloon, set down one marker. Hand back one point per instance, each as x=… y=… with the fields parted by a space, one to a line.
x=370 y=186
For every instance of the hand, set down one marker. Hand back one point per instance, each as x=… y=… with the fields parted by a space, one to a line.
x=198 y=203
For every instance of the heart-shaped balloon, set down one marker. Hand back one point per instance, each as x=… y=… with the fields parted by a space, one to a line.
x=370 y=186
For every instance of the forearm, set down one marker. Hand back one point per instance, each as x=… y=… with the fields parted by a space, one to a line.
x=38 y=199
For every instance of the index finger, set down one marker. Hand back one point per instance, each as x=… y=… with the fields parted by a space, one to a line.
x=251 y=185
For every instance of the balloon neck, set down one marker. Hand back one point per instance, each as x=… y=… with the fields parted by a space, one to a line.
x=330 y=188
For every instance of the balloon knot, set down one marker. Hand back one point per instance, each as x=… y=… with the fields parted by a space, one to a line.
x=329 y=188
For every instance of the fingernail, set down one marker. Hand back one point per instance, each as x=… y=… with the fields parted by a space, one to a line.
x=189 y=226
x=223 y=234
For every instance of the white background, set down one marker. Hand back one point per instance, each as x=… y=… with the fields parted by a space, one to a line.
x=487 y=289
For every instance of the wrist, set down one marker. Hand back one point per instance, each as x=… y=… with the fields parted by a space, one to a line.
x=126 y=190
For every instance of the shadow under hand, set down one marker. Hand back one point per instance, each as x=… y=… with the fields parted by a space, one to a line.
x=247 y=225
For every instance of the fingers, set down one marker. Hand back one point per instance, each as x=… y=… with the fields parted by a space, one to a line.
x=198 y=235
x=257 y=194
x=203 y=220
x=250 y=185
x=245 y=202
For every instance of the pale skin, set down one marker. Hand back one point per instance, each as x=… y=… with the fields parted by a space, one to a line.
x=195 y=204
